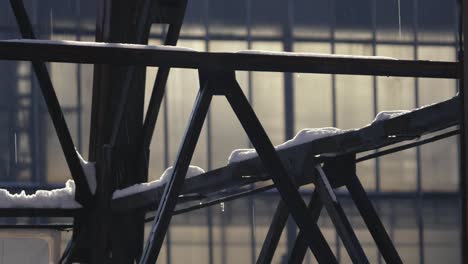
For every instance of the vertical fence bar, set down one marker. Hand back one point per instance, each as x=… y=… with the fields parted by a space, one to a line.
x=334 y=95
x=375 y=103
x=79 y=120
x=418 y=149
x=209 y=138
x=464 y=135
x=289 y=106
x=251 y=201
x=166 y=162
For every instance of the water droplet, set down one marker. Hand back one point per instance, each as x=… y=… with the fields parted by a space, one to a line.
x=222 y=207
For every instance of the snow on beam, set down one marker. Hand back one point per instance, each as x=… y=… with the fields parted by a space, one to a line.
x=177 y=57
x=388 y=128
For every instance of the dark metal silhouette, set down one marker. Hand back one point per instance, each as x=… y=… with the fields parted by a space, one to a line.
x=329 y=162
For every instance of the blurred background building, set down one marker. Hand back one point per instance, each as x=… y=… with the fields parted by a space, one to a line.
x=415 y=191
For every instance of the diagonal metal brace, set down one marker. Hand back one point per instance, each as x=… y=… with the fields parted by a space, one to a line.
x=338 y=217
x=83 y=194
x=175 y=183
x=300 y=246
x=372 y=220
x=273 y=165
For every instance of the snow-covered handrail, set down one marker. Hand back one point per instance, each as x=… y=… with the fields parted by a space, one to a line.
x=148 y=186
x=389 y=127
x=310 y=134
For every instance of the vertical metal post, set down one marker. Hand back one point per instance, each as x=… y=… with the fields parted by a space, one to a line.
x=334 y=95
x=79 y=106
x=115 y=23
x=209 y=139
x=166 y=165
x=102 y=229
x=375 y=86
x=251 y=200
x=464 y=134
x=223 y=239
x=289 y=105
x=375 y=101
x=418 y=149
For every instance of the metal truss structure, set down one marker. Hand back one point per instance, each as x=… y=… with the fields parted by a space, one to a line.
x=110 y=230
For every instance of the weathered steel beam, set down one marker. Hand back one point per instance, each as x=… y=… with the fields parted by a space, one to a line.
x=159 y=86
x=372 y=220
x=384 y=133
x=211 y=183
x=163 y=56
x=276 y=227
x=338 y=217
x=117 y=117
x=273 y=165
x=174 y=186
x=300 y=246
x=274 y=234
x=462 y=58
x=83 y=194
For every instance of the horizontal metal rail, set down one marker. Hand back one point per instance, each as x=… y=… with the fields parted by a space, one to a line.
x=161 y=56
x=211 y=183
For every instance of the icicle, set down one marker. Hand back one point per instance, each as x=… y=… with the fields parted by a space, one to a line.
x=222 y=207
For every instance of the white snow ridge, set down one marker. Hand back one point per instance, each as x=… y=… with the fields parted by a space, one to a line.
x=145 y=186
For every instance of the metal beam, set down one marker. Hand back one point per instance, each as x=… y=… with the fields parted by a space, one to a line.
x=176 y=181
x=273 y=165
x=163 y=56
x=300 y=246
x=274 y=234
x=372 y=220
x=338 y=217
x=83 y=194
x=462 y=58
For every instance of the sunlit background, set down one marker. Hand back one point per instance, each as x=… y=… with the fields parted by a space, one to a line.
x=414 y=191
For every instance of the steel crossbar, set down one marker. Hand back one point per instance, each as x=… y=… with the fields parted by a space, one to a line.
x=164 y=56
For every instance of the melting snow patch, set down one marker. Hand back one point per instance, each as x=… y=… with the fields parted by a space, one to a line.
x=384 y=115
x=311 y=134
x=58 y=198
x=305 y=135
x=142 y=187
